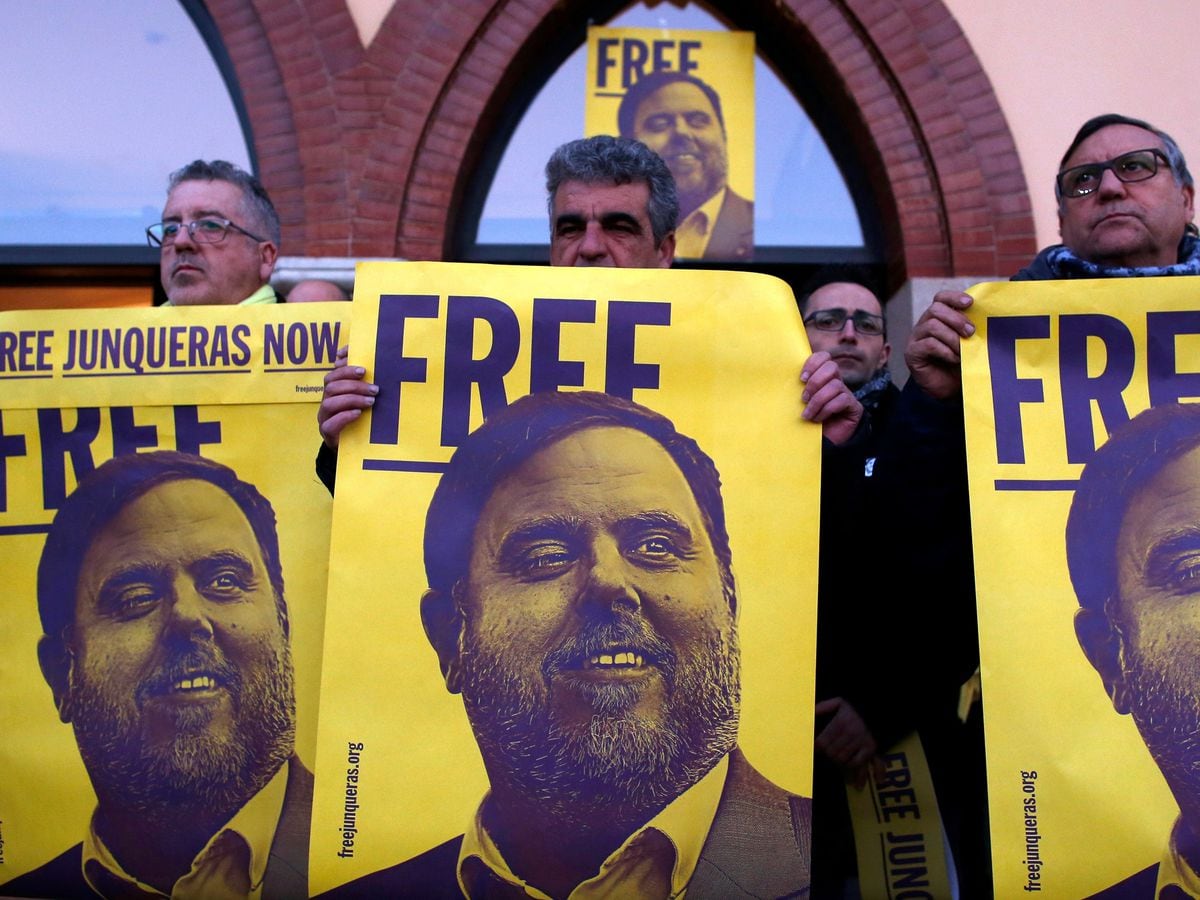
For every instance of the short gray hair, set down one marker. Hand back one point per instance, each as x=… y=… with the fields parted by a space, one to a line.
x=605 y=159
x=255 y=199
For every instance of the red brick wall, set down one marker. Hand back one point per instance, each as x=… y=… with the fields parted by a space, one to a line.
x=366 y=151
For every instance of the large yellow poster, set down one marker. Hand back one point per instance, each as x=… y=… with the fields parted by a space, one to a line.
x=1086 y=526
x=689 y=97
x=597 y=603
x=164 y=545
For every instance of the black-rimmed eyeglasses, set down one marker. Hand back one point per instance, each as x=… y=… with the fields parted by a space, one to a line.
x=834 y=319
x=1136 y=165
x=209 y=230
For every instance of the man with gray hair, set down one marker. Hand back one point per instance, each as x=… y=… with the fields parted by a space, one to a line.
x=219 y=236
x=612 y=203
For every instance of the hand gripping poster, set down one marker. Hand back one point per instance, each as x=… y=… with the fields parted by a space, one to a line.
x=689 y=97
x=165 y=541
x=571 y=613
x=1083 y=440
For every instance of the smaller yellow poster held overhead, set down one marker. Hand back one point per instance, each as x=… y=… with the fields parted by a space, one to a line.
x=689 y=97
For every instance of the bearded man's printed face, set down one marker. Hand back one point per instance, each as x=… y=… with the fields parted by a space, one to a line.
x=600 y=658
x=181 y=680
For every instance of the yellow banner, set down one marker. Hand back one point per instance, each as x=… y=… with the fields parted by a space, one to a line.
x=105 y=399
x=718 y=354
x=1077 y=804
x=689 y=96
x=898 y=836
x=152 y=357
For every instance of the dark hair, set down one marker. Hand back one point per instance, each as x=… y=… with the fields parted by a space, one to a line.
x=650 y=84
x=100 y=497
x=604 y=159
x=1135 y=454
x=530 y=424
x=1174 y=155
x=841 y=273
x=257 y=203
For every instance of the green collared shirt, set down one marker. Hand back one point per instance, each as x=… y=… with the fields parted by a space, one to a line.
x=265 y=294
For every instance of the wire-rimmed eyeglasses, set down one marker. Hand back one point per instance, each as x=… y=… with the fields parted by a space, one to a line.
x=209 y=230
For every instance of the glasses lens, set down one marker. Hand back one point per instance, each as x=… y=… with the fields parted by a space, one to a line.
x=828 y=319
x=154 y=234
x=865 y=323
x=1136 y=166
x=1080 y=180
x=209 y=231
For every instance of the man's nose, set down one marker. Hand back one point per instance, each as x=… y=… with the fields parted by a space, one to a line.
x=681 y=131
x=1110 y=185
x=183 y=237
x=188 y=612
x=593 y=246
x=849 y=332
x=608 y=578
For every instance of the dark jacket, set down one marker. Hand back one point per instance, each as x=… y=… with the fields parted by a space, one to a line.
x=733 y=231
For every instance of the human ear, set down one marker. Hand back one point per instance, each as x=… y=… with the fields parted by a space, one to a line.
x=666 y=251
x=1104 y=645
x=444 y=628
x=56 y=662
x=267 y=254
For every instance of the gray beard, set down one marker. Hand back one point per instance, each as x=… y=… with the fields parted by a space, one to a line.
x=620 y=767
x=1168 y=718
x=197 y=772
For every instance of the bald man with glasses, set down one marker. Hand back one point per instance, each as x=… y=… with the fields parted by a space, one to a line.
x=219 y=237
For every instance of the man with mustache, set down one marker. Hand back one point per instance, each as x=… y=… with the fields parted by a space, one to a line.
x=679 y=117
x=1133 y=549
x=166 y=649
x=219 y=236
x=581 y=599
x=612 y=203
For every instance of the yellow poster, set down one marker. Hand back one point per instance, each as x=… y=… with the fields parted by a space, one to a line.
x=164 y=543
x=598 y=605
x=689 y=96
x=1086 y=526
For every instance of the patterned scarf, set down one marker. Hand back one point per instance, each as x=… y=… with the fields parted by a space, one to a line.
x=1065 y=264
x=872 y=392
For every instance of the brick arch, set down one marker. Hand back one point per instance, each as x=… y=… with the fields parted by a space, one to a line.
x=368 y=150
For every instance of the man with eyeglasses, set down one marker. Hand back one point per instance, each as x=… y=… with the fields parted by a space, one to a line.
x=857 y=715
x=844 y=318
x=219 y=237
x=1125 y=208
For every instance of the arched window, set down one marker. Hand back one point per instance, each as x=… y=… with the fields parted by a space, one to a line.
x=102 y=101
x=804 y=211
